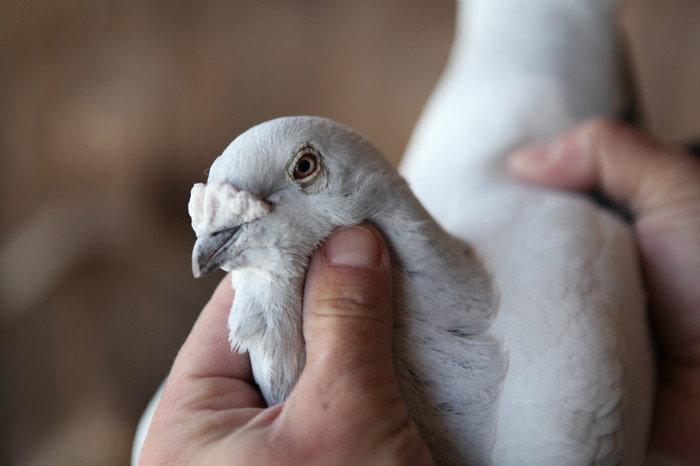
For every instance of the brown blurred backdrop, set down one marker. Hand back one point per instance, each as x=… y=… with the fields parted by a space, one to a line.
x=109 y=112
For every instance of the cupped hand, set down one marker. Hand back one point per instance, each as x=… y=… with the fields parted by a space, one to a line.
x=346 y=407
x=661 y=188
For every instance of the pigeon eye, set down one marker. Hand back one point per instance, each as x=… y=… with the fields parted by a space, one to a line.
x=305 y=164
x=305 y=167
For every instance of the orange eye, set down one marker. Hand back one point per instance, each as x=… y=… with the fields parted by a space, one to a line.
x=305 y=167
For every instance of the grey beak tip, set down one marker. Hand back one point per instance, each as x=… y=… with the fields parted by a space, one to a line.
x=208 y=250
x=200 y=263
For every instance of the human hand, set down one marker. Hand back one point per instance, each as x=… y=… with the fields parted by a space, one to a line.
x=661 y=189
x=346 y=407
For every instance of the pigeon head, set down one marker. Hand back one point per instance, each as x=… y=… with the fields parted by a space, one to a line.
x=279 y=189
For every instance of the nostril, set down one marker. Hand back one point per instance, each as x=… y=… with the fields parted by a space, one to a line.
x=227 y=232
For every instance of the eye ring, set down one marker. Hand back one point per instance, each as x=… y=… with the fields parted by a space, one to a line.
x=305 y=164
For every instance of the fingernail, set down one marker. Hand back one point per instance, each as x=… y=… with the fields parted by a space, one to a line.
x=353 y=247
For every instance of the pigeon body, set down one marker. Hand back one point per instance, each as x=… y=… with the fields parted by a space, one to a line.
x=571 y=316
x=449 y=367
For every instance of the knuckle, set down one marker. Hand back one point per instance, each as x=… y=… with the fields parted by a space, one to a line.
x=349 y=303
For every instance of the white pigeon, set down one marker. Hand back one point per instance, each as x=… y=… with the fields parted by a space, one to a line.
x=520 y=336
x=303 y=177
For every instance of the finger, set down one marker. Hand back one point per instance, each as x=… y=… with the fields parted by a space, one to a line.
x=206 y=373
x=347 y=301
x=207 y=378
x=660 y=187
x=207 y=350
x=349 y=376
x=347 y=323
x=629 y=167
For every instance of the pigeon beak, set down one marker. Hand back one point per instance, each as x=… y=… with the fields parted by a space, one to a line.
x=208 y=252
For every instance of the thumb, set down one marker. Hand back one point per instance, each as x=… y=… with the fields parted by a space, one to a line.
x=348 y=302
x=629 y=167
x=349 y=369
x=347 y=400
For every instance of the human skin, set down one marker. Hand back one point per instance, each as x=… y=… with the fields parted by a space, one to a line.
x=346 y=407
x=660 y=187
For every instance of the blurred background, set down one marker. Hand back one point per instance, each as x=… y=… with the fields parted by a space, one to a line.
x=109 y=112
